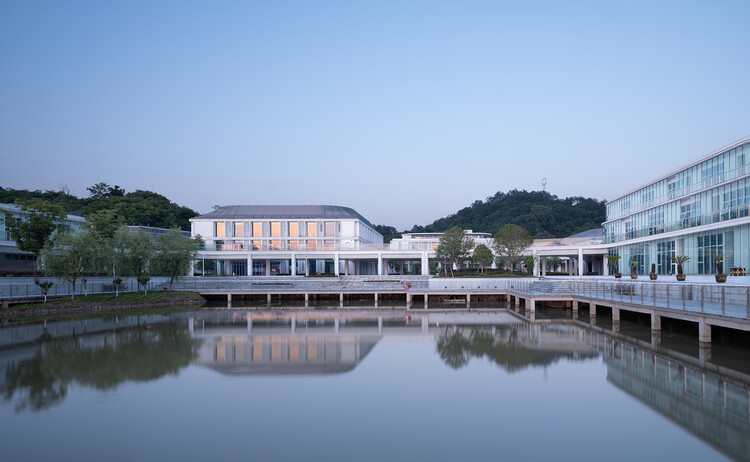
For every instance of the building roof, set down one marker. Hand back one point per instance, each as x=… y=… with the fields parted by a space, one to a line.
x=12 y=208
x=591 y=233
x=303 y=212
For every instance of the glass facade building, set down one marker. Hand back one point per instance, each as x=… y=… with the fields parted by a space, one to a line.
x=699 y=210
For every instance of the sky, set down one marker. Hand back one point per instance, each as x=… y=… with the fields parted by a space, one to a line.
x=406 y=111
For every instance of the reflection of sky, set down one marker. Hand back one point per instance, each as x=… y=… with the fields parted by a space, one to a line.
x=400 y=403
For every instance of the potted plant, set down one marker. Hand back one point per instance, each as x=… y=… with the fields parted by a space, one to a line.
x=680 y=259
x=612 y=259
x=720 y=276
x=653 y=274
x=633 y=273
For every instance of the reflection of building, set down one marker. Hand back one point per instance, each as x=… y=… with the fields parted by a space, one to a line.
x=698 y=210
x=284 y=239
x=708 y=405
x=10 y=257
x=261 y=354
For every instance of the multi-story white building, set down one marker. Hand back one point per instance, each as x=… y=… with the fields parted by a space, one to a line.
x=430 y=241
x=698 y=210
x=286 y=239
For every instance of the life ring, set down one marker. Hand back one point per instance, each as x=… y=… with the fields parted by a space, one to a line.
x=407 y=318
x=407 y=286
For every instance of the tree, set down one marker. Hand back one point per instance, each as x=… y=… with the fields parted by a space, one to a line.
x=482 y=256
x=510 y=241
x=175 y=254
x=553 y=263
x=134 y=251
x=71 y=256
x=33 y=231
x=104 y=222
x=389 y=233
x=454 y=247
x=44 y=286
x=102 y=190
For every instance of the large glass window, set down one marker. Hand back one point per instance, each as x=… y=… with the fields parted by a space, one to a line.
x=664 y=253
x=311 y=229
x=256 y=245
x=293 y=229
x=219 y=229
x=293 y=245
x=275 y=229
x=257 y=229
x=310 y=245
x=275 y=245
x=708 y=246
x=238 y=229
x=329 y=229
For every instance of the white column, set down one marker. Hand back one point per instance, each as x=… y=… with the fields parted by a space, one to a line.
x=425 y=264
x=580 y=262
x=294 y=264
x=605 y=266
x=307 y=266
x=544 y=266
x=249 y=265
x=380 y=264
x=268 y=267
x=336 y=264
x=535 y=256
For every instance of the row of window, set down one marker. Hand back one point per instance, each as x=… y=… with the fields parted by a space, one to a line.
x=281 y=244
x=724 y=167
x=16 y=256
x=276 y=229
x=719 y=204
x=701 y=249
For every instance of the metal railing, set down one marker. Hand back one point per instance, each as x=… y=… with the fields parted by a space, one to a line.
x=716 y=299
x=24 y=288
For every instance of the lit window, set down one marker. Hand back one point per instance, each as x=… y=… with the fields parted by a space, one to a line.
x=219 y=229
x=257 y=229
x=311 y=229
x=238 y=229
x=275 y=229
x=293 y=229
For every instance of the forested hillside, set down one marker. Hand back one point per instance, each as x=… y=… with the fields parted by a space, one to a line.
x=540 y=213
x=141 y=208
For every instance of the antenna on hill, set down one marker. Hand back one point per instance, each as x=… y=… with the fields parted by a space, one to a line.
x=544 y=184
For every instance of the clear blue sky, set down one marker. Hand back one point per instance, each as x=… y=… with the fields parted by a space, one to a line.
x=405 y=111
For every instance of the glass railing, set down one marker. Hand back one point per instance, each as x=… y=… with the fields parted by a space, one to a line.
x=702 y=184
x=727 y=214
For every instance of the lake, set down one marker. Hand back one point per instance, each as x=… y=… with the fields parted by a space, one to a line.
x=367 y=385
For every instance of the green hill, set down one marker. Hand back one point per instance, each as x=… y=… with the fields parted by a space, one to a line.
x=540 y=213
x=138 y=208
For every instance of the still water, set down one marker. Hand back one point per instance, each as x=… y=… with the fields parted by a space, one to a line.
x=239 y=385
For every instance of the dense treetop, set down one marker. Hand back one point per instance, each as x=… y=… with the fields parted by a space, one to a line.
x=540 y=213
x=138 y=208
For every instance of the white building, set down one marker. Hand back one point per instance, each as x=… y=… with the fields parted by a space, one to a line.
x=287 y=239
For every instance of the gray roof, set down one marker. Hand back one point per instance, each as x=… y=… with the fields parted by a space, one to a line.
x=592 y=233
x=283 y=212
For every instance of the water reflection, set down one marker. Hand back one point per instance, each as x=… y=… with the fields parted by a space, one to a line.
x=37 y=377
x=513 y=348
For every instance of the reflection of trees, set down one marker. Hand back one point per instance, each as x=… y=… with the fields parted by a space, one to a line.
x=454 y=348
x=141 y=354
x=504 y=348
